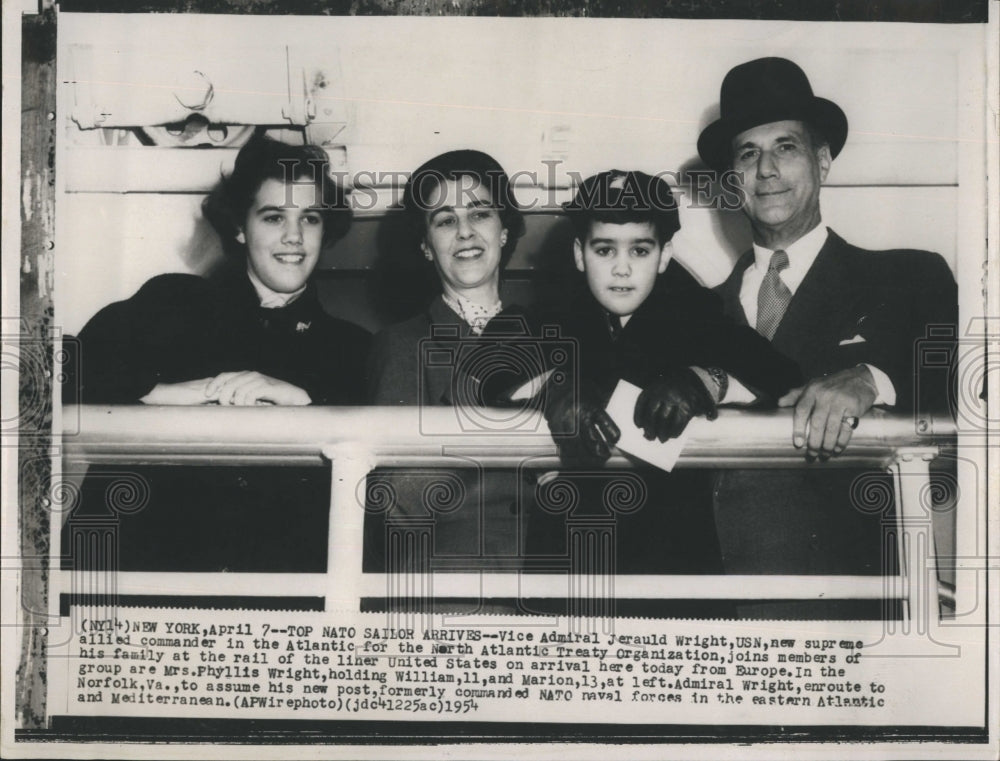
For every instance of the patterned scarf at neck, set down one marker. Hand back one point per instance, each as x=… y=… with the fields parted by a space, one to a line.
x=474 y=315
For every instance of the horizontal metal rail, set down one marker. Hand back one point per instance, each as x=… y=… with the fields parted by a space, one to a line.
x=353 y=441
x=416 y=435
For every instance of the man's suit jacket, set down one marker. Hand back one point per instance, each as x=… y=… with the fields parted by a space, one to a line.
x=854 y=306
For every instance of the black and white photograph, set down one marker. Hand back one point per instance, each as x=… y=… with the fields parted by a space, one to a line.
x=457 y=379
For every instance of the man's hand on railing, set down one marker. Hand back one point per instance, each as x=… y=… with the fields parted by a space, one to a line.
x=581 y=428
x=827 y=410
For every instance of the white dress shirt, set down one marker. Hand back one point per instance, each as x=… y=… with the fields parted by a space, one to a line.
x=801 y=255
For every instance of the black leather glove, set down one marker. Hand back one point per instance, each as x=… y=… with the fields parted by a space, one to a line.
x=581 y=428
x=667 y=404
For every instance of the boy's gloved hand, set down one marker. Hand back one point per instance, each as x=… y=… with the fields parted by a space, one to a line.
x=667 y=404
x=581 y=428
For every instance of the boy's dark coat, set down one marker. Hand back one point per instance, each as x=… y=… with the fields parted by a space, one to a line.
x=681 y=324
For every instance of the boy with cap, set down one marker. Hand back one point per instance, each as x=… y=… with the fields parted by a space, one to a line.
x=640 y=317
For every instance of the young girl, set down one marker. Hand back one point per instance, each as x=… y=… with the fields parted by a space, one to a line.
x=254 y=333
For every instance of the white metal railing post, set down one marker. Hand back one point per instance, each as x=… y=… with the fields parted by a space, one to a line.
x=350 y=465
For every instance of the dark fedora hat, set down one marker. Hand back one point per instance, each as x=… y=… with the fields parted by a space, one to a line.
x=763 y=91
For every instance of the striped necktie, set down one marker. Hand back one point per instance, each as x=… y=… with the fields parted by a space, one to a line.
x=773 y=297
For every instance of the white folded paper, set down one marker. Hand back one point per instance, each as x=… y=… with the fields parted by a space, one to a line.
x=858 y=339
x=621 y=408
x=531 y=388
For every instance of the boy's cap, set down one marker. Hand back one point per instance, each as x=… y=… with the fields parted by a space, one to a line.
x=617 y=196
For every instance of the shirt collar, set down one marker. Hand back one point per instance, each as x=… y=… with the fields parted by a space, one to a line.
x=270 y=299
x=801 y=254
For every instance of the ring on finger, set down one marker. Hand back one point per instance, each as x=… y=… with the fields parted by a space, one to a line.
x=851 y=420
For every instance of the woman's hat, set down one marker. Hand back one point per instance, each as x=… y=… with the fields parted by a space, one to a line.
x=763 y=91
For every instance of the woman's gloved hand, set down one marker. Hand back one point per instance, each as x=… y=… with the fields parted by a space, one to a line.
x=665 y=406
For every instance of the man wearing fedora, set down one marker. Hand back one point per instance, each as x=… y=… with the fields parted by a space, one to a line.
x=849 y=317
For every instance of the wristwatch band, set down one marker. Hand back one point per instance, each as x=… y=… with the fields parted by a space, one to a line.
x=720 y=378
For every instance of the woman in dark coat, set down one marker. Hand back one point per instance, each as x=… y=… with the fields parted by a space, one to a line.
x=465 y=222
x=254 y=333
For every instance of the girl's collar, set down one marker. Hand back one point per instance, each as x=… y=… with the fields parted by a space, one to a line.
x=270 y=299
